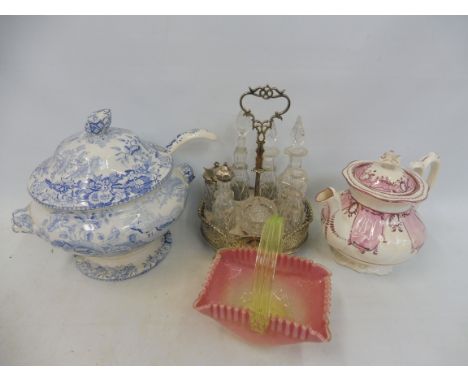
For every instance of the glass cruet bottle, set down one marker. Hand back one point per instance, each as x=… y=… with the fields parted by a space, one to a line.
x=268 y=180
x=292 y=183
x=223 y=205
x=240 y=182
x=210 y=186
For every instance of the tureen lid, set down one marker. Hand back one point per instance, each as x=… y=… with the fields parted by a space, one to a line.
x=384 y=179
x=99 y=167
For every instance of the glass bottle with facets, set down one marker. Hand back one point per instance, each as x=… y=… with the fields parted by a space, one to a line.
x=223 y=205
x=240 y=182
x=292 y=183
x=210 y=185
x=268 y=180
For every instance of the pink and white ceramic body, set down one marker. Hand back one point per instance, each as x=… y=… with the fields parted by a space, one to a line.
x=374 y=224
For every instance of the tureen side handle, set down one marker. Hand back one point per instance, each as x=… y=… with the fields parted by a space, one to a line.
x=22 y=220
x=189 y=135
x=187 y=172
x=431 y=160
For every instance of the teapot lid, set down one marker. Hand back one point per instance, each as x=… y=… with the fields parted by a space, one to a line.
x=384 y=179
x=99 y=167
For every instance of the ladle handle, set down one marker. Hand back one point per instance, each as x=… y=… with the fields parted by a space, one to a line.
x=188 y=136
x=431 y=160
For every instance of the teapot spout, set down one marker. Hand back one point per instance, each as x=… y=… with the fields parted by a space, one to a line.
x=189 y=135
x=22 y=221
x=331 y=198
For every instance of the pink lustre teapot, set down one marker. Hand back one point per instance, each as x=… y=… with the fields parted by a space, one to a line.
x=374 y=224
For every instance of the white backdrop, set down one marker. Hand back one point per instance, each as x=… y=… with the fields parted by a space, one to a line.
x=363 y=85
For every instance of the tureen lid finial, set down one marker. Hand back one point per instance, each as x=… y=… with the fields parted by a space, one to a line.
x=99 y=121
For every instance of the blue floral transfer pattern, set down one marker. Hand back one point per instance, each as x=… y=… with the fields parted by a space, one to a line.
x=115 y=230
x=105 y=194
x=97 y=271
x=187 y=170
x=96 y=171
x=99 y=121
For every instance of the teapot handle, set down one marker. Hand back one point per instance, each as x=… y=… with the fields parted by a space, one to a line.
x=433 y=160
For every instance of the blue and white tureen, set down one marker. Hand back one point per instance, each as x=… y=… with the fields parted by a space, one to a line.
x=109 y=198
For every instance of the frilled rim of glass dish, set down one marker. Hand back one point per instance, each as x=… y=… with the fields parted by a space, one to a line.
x=289 y=329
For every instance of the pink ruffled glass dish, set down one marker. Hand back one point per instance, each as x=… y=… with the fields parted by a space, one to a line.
x=300 y=301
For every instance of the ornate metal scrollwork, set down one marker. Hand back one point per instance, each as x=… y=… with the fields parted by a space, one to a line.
x=265 y=92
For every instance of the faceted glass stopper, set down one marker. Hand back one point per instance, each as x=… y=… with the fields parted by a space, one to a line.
x=243 y=124
x=271 y=136
x=298 y=133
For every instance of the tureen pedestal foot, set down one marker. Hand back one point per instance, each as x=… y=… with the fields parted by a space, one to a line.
x=128 y=265
x=360 y=266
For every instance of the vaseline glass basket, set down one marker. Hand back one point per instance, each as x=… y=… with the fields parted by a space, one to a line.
x=265 y=296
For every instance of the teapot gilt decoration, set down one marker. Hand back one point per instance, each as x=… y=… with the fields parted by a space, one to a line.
x=374 y=225
x=109 y=198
